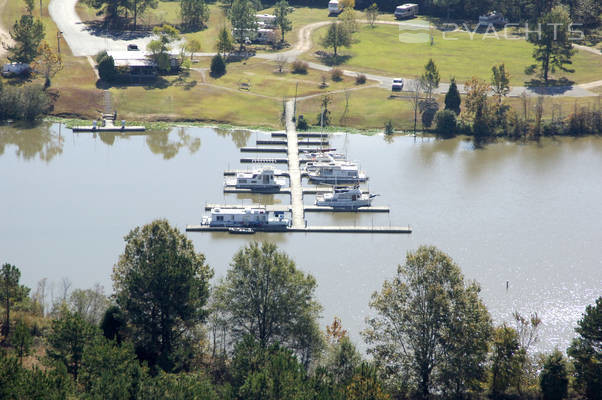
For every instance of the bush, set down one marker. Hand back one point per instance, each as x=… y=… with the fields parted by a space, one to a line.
x=100 y=55
x=302 y=123
x=389 y=128
x=300 y=67
x=428 y=108
x=336 y=74
x=360 y=79
x=218 y=66
x=24 y=103
x=554 y=380
x=106 y=69
x=445 y=123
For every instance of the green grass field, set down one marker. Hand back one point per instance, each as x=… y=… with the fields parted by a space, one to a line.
x=379 y=50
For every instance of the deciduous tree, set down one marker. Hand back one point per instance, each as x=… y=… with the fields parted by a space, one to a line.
x=427 y=319
x=430 y=78
x=268 y=298
x=243 y=20
x=161 y=46
x=506 y=360
x=194 y=14
x=162 y=285
x=336 y=37
x=372 y=14
x=500 y=81
x=282 y=10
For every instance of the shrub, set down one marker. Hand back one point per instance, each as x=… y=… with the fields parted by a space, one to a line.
x=26 y=103
x=336 y=74
x=100 y=55
x=428 y=108
x=218 y=66
x=302 y=123
x=106 y=69
x=554 y=380
x=445 y=123
x=360 y=79
x=300 y=67
x=389 y=128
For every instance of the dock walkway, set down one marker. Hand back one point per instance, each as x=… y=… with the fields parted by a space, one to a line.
x=293 y=167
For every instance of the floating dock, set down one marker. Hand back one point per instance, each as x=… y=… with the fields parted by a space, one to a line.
x=109 y=126
x=290 y=146
x=313 y=229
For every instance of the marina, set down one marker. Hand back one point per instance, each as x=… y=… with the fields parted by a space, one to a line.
x=321 y=166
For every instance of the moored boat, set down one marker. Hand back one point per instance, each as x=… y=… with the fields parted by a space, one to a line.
x=335 y=173
x=262 y=180
x=254 y=217
x=346 y=198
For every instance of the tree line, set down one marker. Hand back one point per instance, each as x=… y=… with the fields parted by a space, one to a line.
x=167 y=333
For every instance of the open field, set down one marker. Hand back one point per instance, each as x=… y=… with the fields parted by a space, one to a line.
x=264 y=78
x=379 y=50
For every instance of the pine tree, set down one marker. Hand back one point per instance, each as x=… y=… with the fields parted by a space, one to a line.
x=281 y=10
x=27 y=34
x=452 y=98
x=553 y=47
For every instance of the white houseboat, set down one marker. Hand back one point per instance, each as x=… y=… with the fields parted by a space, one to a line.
x=261 y=180
x=346 y=198
x=254 y=217
x=335 y=172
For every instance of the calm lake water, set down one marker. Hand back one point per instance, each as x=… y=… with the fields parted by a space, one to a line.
x=528 y=214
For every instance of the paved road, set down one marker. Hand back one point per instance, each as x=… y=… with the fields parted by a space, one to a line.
x=83 y=41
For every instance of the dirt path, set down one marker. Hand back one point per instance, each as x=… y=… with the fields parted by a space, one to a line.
x=4 y=35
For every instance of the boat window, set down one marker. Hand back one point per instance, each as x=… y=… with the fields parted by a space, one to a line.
x=219 y=218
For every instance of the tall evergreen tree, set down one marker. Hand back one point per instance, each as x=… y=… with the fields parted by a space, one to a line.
x=452 y=98
x=586 y=352
x=162 y=285
x=554 y=380
x=10 y=292
x=27 y=33
x=553 y=47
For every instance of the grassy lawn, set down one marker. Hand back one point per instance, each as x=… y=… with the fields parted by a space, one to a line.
x=264 y=78
x=379 y=50
x=368 y=109
x=190 y=100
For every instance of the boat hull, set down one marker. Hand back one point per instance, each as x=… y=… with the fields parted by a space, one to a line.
x=336 y=180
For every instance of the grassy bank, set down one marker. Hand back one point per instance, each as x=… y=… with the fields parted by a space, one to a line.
x=379 y=50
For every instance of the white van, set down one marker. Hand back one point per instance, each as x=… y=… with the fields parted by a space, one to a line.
x=334 y=8
x=407 y=10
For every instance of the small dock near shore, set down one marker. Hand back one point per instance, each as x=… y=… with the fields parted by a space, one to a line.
x=108 y=125
x=289 y=143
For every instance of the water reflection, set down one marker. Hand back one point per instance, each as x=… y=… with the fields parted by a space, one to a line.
x=39 y=140
x=161 y=144
x=240 y=137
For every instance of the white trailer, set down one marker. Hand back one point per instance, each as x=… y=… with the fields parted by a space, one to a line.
x=407 y=10
x=334 y=7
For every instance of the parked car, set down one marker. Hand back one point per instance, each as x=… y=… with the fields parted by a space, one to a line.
x=15 y=69
x=397 y=85
x=407 y=10
x=133 y=47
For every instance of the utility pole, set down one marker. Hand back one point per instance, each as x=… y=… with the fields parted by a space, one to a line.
x=295 y=103
x=58 y=42
x=41 y=10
